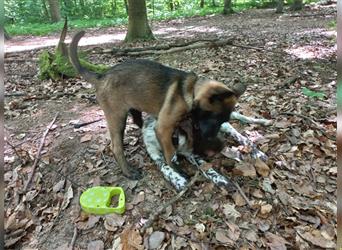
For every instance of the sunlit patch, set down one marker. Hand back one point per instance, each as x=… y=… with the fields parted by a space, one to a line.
x=179 y=32
x=312 y=51
x=43 y=42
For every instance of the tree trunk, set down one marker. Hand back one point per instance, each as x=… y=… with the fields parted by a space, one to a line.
x=280 y=6
x=297 y=5
x=82 y=5
x=138 y=27
x=202 y=3
x=126 y=7
x=114 y=6
x=171 y=5
x=45 y=9
x=227 y=9
x=6 y=35
x=213 y=3
x=54 y=11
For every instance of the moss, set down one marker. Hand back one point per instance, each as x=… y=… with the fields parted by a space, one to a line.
x=56 y=66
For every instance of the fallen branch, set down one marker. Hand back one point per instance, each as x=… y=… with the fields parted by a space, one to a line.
x=161 y=209
x=79 y=125
x=15 y=94
x=39 y=152
x=14 y=149
x=164 y=49
x=289 y=81
x=317 y=125
x=20 y=60
x=314 y=15
x=303 y=116
x=243 y=194
x=73 y=240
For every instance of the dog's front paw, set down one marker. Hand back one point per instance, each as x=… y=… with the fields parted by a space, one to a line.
x=132 y=173
x=174 y=160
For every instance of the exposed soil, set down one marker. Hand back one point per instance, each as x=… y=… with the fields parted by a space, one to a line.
x=294 y=204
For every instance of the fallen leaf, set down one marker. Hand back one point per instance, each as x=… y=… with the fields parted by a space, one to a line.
x=275 y=242
x=266 y=186
x=265 y=209
x=96 y=245
x=257 y=193
x=230 y=212
x=262 y=168
x=156 y=239
x=10 y=222
x=86 y=138
x=328 y=232
x=58 y=186
x=90 y=223
x=333 y=171
x=131 y=239
x=67 y=197
x=178 y=243
x=115 y=220
x=244 y=169
x=238 y=199
x=317 y=240
x=251 y=235
x=221 y=236
x=200 y=227
x=12 y=241
x=138 y=198
x=117 y=244
x=234 y=231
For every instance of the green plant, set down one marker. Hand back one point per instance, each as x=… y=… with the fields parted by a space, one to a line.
x=57 y=66
x=313 y=94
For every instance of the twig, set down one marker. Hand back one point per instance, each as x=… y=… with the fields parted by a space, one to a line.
x=15 y=94
x=303 y=116
x=125 y=51
x=314 y=15
x=94 y=170
x=10 y=60
x=173 y=49
x=73 y=240
x=161 y=209
x=86 y=123
x=14 y=149
x=318 y=126
x=39 y=152
x=289 y=81
x=243 y=194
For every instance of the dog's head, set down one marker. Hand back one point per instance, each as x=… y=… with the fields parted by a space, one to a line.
x=213 y=104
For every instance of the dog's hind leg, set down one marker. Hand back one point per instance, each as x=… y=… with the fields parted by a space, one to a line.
x=116 y=120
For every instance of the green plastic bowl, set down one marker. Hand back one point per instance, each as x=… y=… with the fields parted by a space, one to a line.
x=96 y=200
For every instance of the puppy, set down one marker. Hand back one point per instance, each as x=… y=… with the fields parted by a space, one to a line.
x=166 y=93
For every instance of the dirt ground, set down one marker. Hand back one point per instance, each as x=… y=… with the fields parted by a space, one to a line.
x=283 y=58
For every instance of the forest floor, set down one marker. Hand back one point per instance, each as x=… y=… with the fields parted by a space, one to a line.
x=293 y=199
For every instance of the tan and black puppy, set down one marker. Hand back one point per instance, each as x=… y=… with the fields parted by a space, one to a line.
x=168 y=94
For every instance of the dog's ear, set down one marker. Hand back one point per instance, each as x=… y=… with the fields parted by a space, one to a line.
x=221 y=95
x=239 y=89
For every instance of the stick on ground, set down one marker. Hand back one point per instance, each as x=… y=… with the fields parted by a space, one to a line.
x=243 y=194
x=72 y=243
x=156 y=214
x=41 y=145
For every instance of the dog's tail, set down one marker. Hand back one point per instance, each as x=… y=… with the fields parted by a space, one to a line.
x=88 y=75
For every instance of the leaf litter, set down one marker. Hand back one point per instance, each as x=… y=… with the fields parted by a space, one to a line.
x=293 y=194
